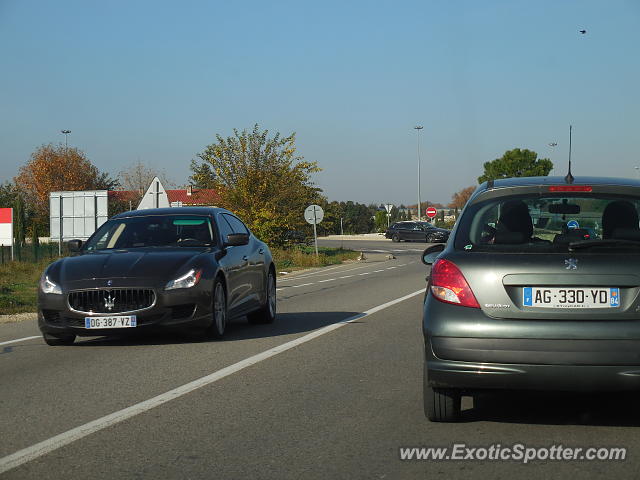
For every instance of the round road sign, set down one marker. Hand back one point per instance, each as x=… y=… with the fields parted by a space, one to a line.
x=431 y=212
x=313 y=214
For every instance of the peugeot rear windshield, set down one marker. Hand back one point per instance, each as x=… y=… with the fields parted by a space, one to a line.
x=548 y=223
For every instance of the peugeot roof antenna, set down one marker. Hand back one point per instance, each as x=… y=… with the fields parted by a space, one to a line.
x=569 y=177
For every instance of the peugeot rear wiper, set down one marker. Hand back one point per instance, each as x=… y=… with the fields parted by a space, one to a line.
x=612 y=242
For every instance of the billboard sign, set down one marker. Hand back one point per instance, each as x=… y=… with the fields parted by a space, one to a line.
x=6 y=227
x=77 y=214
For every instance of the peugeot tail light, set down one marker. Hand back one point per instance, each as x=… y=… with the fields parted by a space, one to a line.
x=449 y=285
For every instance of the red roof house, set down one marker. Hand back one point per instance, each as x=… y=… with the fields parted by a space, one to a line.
x=188 y=197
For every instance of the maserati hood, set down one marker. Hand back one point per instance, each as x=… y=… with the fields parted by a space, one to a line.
x=161 y=265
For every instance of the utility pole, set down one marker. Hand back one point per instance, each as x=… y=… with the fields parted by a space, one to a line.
x=417 y=128
x=66 y=157
x=66 y=135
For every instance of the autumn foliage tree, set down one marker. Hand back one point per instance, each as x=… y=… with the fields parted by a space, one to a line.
x=55 y=168
x=261 y=179
x=459 y=199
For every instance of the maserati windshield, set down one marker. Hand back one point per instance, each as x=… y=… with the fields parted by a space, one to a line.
x=152 y=231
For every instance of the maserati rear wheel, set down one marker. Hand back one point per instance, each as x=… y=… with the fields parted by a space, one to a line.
x=267 y=313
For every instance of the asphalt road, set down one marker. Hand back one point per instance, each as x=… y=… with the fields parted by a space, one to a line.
x=333 y=389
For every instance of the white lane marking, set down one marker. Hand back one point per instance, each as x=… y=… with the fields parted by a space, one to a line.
x=304 y=275
x=47 y=446
x=322 y=272
x=344 y=276
x=20 y=340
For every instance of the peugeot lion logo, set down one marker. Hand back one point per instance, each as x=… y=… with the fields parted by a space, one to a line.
x=571 y=263
x=110 y=302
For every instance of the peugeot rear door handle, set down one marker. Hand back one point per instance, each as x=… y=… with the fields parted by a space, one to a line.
x=261 y=251
x=245 y=258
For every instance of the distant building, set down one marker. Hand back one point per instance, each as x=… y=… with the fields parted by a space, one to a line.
x=186 y=197
x=192 y=197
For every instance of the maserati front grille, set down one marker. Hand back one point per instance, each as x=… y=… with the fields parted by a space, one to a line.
x=111 y=300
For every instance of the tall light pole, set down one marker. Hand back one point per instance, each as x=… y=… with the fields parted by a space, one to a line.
x=553 y=145
x=66 y=154
x=66 y=135
x=417 y=128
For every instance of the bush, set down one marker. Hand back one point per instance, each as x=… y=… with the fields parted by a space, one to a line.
x=302 y=256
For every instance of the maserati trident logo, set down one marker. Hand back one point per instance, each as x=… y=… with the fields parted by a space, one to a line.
x=110 y=301
x=571 y=264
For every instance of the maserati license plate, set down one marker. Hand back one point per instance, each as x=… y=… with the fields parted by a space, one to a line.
x=118 y=321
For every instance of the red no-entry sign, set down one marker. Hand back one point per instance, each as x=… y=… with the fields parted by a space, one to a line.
x=431 y=212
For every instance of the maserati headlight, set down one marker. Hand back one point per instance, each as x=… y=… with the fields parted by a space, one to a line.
x=188 y=280
x=47 y=286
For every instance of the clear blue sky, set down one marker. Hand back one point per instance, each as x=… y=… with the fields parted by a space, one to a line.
x=157 y=80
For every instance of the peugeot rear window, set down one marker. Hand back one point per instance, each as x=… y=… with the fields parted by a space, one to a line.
x=552 y=223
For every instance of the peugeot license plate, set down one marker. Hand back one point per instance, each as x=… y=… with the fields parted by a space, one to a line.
x=571 y=297
x=118 y=321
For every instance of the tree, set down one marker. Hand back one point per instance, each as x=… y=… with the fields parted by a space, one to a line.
x=381 y=220
x=19 y=222
x=138 y=176
x=57 y=168
x=8 y=194
x=516 y=163
x=459 y=199
x=203 y=176
x=261 y=179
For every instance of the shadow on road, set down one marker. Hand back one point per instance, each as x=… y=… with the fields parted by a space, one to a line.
x=553 y=408
x=237 y=329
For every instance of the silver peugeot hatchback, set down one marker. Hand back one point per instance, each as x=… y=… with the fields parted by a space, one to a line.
x=537 y=289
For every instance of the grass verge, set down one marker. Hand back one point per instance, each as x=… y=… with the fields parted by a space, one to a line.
x=19 y=286
x=19 y=280
x=300 y=257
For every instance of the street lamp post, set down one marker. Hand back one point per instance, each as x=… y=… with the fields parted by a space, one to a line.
x=417 y=128
x=66 y=154
x=66 y=135
x=553 y=145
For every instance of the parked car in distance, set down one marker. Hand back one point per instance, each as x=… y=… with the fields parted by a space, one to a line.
x=167 y=268
x=411 y=231
x=513 y=305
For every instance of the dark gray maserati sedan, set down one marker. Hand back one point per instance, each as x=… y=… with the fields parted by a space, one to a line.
x=187 y=268
x=538 y=288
